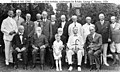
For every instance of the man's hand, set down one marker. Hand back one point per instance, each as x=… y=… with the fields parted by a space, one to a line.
x=12 y=32
x=43 y=46
x=23 y=49
x=18 y=49
x=109 y=40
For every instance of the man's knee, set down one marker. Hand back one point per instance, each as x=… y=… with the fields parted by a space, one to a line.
x=34 y=51
x=90 y=52
x=42 y=50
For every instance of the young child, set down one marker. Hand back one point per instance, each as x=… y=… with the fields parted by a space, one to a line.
x=57 y=49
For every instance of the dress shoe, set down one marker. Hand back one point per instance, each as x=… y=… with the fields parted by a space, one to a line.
x=15 y=66
x=70 y=68
x=106 y=64
x=57 y=69
x=6 y=62
x=91 y=68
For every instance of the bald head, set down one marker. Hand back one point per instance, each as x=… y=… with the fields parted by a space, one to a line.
x=92 y=29
x=38 y=16
x=38 y=30
x=21 y=29
x=101 y=16
x=18 y=12
x=53 y=17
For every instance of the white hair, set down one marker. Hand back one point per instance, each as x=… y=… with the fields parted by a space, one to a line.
x=60 y=29
x=63 y=16
x=113 y=17
x=28 y=14
x=88 y=18
x=53 y=16
x=101 y=14
x=44 y=12
x=38 y=14
x=74 y=16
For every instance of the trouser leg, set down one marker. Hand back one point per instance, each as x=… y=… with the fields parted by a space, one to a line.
x=34 y=53
x=97 y=60
x=79 y=56
x=69 y=56
x=25 y=57
x=52 y=62
x=42 y=56
x=91 y=57
x=15 y=60
x=63 y=57
x=105 y=46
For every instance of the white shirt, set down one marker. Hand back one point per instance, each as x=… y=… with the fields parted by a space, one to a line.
x=21 y=37
x=63 y=24
x=86 y=30
x=93 y=35
x=102 y=22
x=18 y=20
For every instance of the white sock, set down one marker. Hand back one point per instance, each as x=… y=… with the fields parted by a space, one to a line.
x=56 y=64
x=60 y=66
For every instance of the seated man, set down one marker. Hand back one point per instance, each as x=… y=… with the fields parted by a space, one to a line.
x=20 y=45
x=93 y=45
x=39 y=43
x=75 y=45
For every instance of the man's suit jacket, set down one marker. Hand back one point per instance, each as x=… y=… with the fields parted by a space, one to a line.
x=39 y=41
x=104 y=30
x=16 y=42
x=7 y=26
x=115 y=33
x=47 y=29
x=96 y=42
x=29 y=28
x=18 y=21
x=65 y=29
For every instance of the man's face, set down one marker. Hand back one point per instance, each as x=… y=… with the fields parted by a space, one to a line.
x=101 y=17
x=44 y=15
x=92 y=30
x=75 y=30
x=28 y=18
x=60 y=32
x=38 y=31
x=63 y=18
x=18 y=13
x=88 y=20
x=74 y=19
x=10 y=13
x=113 y=20
x=53 y=18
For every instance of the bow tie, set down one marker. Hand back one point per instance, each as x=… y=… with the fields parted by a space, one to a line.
x=21 y=34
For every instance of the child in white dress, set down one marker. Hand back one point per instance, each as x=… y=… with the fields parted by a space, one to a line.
x=57 y=49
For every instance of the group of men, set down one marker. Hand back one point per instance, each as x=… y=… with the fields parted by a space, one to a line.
x=21 y=36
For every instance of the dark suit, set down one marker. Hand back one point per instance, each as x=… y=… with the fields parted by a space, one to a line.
x=16 y=42
x=65 y=29
x=104 y=30
x=38 y=42
x=95 y=49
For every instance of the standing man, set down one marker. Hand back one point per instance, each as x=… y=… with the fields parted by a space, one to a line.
x=9 y=29
x=103 y=28
x=86 y=32
x=75 y=24
x=20 y=46
x=37 y=22
x=75 y=46
x=64 y=25
x=18 y=17
x=115 y=38
x=47 y=31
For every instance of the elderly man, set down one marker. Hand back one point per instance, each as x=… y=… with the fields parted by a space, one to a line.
x=93 y=45
x=20 y=46
x=64 y=25
x=39 y=43
x=75 y=45
x=75 y=24
x=103 y=28
x=9 y=29
x=115 y=38
x=18 y=17
x=37 y=22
